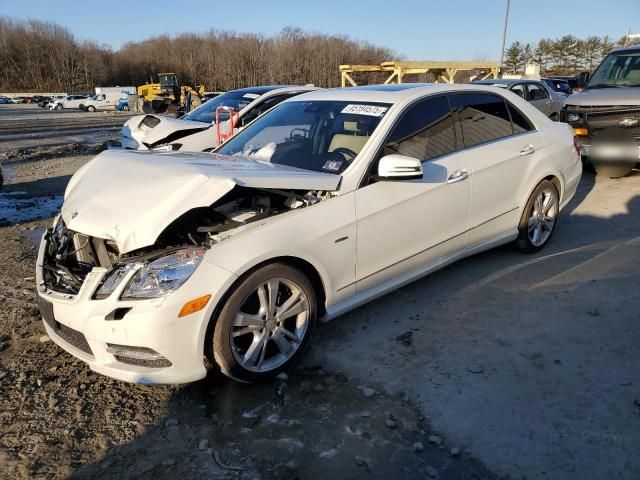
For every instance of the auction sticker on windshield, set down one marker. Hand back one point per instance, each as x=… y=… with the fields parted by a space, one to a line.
x=372 y=110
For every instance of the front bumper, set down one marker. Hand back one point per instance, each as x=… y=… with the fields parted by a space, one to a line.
x=85 y=327
x=603 y=124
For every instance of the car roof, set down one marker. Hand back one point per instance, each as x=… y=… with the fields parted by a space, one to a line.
x=389 y=93
x=504 y=81
x=631 y=49
x=262 y=89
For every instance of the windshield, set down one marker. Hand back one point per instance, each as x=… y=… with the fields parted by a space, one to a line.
x=323 y=136
x=168 y=80
x=617 y=70
x=207 y=111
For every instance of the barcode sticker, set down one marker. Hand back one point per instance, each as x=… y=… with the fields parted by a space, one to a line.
x=372 y=110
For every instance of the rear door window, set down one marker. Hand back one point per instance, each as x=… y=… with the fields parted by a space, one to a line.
x=537 y=92
x=483 y=116
x=425 y=131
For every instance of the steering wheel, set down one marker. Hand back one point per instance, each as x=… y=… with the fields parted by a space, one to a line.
x=347 y=152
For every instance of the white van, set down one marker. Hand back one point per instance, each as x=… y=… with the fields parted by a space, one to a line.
x=106 y=98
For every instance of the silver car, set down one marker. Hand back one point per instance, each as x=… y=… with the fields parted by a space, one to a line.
x=537 y=93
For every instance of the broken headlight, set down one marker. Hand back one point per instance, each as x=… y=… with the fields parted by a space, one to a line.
x=164 y=274
x=112 y=280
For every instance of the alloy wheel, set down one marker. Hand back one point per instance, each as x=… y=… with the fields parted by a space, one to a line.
x=270 y=325
x=543 y=217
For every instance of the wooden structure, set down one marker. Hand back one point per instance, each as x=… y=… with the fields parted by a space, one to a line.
x=441 y=70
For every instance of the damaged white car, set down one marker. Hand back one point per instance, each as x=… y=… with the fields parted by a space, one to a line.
x=207 y=126
x=173 y=261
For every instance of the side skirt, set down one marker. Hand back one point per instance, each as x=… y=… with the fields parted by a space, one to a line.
x=383 y=288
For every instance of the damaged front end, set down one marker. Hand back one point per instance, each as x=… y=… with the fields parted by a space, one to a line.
x=155 y=270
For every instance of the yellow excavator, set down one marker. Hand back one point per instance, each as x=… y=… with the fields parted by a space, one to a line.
x=168 y=95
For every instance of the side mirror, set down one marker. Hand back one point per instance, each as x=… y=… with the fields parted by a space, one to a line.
x=399 y=167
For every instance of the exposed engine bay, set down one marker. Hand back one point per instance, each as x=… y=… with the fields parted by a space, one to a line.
x=70 y=256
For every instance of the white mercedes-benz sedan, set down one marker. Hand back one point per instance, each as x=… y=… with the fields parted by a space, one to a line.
x=162 y=263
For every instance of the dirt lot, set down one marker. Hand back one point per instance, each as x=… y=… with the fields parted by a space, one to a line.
x=502 y=365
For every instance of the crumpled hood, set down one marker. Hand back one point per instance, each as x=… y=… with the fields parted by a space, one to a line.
x=167 y=125
x=604 y=97
x=131 y=197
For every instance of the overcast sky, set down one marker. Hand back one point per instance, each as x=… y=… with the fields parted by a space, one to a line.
x=417 y=29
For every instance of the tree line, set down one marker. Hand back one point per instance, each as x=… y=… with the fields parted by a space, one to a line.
x=44 y=56
x=566 y=55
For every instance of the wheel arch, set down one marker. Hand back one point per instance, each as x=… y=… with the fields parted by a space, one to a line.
x=553 y=178
x=556 y=183
x=306 y=267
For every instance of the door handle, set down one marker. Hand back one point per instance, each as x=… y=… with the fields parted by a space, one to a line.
x=527 y=150
x=458 y=176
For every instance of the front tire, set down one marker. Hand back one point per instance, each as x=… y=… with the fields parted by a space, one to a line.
x=538 y=218
x=59 y=107
x=265 y=324
x=91 y=108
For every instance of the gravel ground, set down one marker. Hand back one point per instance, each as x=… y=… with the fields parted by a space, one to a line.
x=28 y=126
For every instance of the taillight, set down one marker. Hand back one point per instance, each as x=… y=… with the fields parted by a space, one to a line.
x=577 y=144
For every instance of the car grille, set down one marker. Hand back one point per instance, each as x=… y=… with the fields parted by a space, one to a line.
x=598 y=121
x=69 y=335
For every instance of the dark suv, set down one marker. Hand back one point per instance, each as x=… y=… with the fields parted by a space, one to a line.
x=606 y=115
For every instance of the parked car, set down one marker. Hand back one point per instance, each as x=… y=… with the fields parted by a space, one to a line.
x=206 y=96
x=606 y=114
x=538 y=93
x=15 y=100
x=70 y=101
x=329 y=200
x=576 y=82
x=48 y=101
x=198 y=130
x=559 y=85
x=4 y=100
x=44 y=101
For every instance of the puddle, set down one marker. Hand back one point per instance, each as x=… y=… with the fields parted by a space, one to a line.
x=7 y=172
x=14 y=209
x=34 y=235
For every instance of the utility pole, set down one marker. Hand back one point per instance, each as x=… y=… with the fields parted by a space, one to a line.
x=504 y=32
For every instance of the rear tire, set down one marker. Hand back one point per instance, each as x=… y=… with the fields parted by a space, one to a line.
x=257 y=333
x=538 y=218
